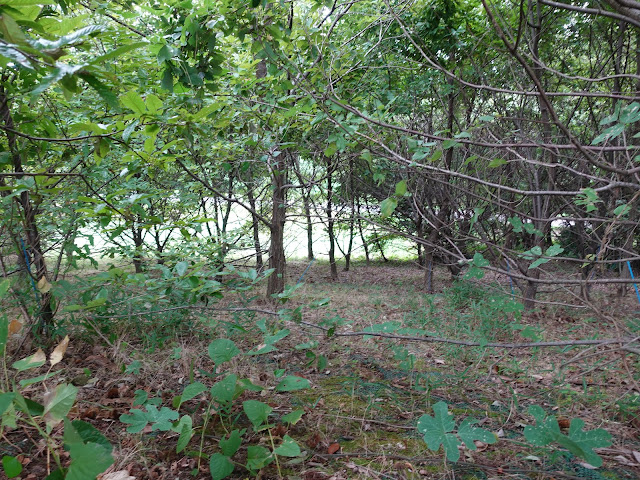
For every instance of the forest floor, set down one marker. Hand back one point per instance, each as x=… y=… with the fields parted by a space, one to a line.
x=366 y=394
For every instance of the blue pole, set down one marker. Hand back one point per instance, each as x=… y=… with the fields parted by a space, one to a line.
x=510 y=279
x=633 y=278
x=305 y=271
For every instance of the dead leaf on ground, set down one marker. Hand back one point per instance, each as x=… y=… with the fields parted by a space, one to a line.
x=119 y=475
x=333 y=448
x=15 y=326
x=58 y=352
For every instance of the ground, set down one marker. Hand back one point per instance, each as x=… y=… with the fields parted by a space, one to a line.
x=361 y=410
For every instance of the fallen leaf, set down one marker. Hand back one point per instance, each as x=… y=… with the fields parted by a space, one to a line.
x=58 y=352
x=43 y=285
x=314 y=441
x=15 y=326
x=636 y=456
x=333 y=448
x=119 y=475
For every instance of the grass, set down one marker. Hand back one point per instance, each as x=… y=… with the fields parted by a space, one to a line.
x=371 y=392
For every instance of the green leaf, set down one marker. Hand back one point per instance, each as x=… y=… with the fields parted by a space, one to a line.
x=134 y=102
x=257 y=412
x=13 y=54
x=497 y=162
x=330 y=150
x=554 y=250
x=293 y=417
x=436 y=431
x=291 y=383
x=90 y=450
x=220 y=466
x=231 y=445
x=136 y=419
x=387 y=207
x=538 y=262
x=4 y=334
x=4 y=288
x=580 y=443
x=6 y=399
x=58 y=403
x=588 y=440
x=258 y=457
x=401 y=188
x=185 y=428
x=11 y=31
x=88 y=461
x=99 y=60
x=469 y=434
x=12 y=466
x=192 y=390
x=288 y=448
x=159 y=419
x=479 y=260
x=222 y=350
x=224 y=391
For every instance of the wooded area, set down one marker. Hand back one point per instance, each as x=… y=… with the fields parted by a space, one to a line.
x=156 y=158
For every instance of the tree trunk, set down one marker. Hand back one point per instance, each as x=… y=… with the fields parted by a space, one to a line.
x=330 y=222
x=256 y=229
x=277 y=260
x=29 y=211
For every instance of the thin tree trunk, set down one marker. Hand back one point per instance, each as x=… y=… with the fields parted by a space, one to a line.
x=29 y=211
x=330 y=221
x=277 y=259
x=256 y=229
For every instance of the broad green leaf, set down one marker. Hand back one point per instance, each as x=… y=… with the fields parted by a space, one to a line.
x=538 y=262
x=185 y=428
x=580 y=443
x=258 y=457
x=192 y=390
x=330 y=150
x=293 y=417
x=387 y=207
x=588 y=440
x=58 y=403
x=257 y=412
x=401 y=188
x=220 y=466
x=436 y=431
x=88 y=461
x=288 y=448
x=4 y=288
x=497 y=162
x=161 y=419
x=11 y=31
x=271 y=339
x=291 y=383
x=136 y=419
x=479 y=260
x=554 y=250
x=222 y=350
x=99 y=60
x=231 y=445
x=134 y=102
x=57 y=74
x=13 y=54
x=11 y=466
x=469 y=434
x=6 y=399
x=224 y=391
